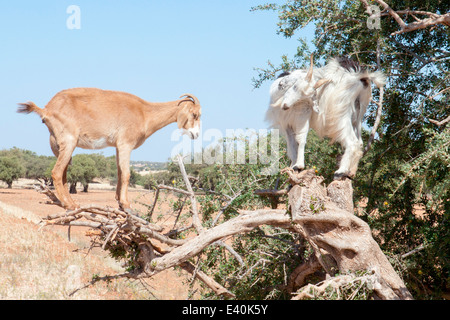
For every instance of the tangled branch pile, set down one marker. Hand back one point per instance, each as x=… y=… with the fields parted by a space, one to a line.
x=323 y=216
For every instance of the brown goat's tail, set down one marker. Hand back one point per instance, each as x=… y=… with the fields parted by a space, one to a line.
x=29 y=107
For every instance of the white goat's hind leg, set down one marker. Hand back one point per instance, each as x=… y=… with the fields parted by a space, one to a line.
x=350 y=159
x=355 y=161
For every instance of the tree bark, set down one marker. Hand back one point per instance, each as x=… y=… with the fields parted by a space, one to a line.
x=73 y=188
x=325 y=216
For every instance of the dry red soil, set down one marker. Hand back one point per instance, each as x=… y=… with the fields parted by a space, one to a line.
x=165 y=285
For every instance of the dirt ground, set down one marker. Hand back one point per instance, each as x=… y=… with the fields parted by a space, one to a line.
x=165 y=285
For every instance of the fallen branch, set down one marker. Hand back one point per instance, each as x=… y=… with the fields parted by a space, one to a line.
x=419 y=248
x=44 y=189
x=212 y=284
x=322 y=215
x=342 y=287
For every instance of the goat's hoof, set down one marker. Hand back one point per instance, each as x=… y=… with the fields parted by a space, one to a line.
x=130 y=211
x=72 y=207
x=297 y=169
x=341 y=176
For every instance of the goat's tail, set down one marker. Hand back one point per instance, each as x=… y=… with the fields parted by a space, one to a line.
x=29 y=107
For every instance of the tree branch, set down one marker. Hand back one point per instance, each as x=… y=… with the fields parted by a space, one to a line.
x=195 y=217
x=434 y=18
x=376 y=123
x=440 y=123
x=211 y=283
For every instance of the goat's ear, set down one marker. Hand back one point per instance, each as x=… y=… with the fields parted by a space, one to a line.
x=182 y=118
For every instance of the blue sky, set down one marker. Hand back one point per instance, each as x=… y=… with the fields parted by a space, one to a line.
x=156 y=50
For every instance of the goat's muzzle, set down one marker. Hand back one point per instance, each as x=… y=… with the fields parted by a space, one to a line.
x=193 y=135
x=193 y=132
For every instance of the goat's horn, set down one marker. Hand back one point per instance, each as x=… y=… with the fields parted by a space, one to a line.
x=310 y=71
x=190 y=96
x=321 y=82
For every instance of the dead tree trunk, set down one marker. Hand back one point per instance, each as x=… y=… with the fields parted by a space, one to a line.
x=342 y=241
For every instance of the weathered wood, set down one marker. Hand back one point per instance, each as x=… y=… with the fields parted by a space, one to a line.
x=326 y=217
x=273 y=194
x=322 y=215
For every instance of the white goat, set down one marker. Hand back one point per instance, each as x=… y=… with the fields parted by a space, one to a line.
x=331 y=100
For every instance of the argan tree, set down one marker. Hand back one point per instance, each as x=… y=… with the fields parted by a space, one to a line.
x=83 y=169
x=10 y=169
x=402 y=186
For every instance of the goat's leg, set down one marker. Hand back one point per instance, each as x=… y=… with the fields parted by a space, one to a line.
x=301 y=133
x=59 y=176
x=352 y=154
x=119 y=177
x=64 y=177
x=54 y=145
x=123 y=167
x=292 y=146
x=55 y=148
x=357 y=129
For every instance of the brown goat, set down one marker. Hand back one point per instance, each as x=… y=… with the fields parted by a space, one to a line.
x=91 y=118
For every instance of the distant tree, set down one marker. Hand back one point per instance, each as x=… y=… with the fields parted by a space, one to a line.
x=48 y=171
x=134 y=177
x=83 y=169
x=36 y=168
x=148 y=181
x=10 y=169
x=21 y=154
x=106 y=166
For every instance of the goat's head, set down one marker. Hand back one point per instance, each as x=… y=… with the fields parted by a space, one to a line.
x=303 y=88
x=188 y=117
